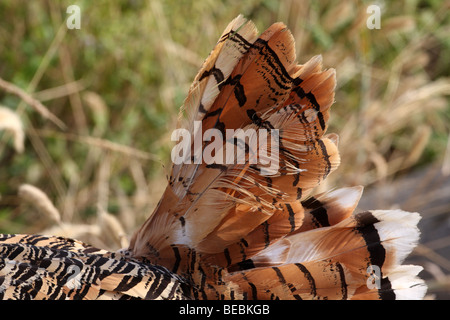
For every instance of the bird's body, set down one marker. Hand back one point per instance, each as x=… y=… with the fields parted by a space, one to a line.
x=53 y=268
x=240 y=230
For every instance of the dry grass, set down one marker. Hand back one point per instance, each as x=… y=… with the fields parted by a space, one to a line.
x=113 y=88
x=36 y=104
x=10 y=121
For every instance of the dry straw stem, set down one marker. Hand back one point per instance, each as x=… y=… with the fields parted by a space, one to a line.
x=127 y=214
x=108 y=223
x=111 y=226
x=446 y=164
x=60 y=91
x=37 y=105
x=40 y=201
x=76 y=231
x=101 y=143
x=9 y=120
x=433 y=256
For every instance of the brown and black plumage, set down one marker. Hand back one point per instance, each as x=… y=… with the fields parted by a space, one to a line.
x=226 y=230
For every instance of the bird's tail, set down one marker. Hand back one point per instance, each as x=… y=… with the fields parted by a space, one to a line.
x=237 y=217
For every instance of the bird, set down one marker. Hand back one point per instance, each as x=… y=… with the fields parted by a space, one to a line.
x=240 y=218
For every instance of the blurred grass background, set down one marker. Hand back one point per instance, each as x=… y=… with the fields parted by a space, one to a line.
x=118 y=82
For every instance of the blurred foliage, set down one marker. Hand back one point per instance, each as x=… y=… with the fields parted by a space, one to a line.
x=122 y=77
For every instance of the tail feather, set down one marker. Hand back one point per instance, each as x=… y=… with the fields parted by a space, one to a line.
x=299 y=281
x=329 y=208
x=357 y=258
x=234 y=42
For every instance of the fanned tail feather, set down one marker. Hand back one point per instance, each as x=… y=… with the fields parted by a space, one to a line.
x=263 y=91
x=241 y=230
